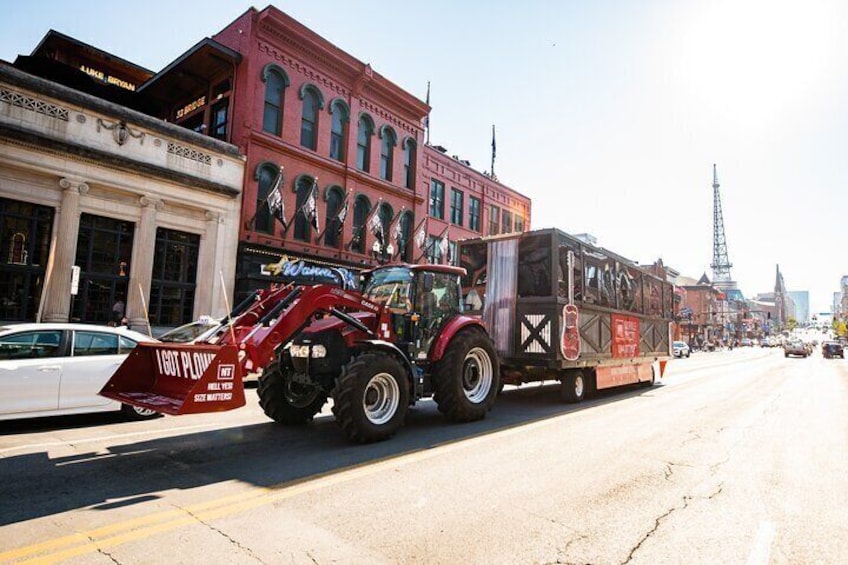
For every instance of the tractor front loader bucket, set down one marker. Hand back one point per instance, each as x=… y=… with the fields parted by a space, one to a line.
x=179 y=378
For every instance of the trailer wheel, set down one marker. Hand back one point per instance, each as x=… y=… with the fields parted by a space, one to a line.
x=371 y=397
x=285 y=401
x=650 y=383
x=573 y=388
x=467 y=379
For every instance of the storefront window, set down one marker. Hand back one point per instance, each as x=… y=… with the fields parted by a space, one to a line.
x=24 y=247
x=174 y=280
x=104 y=251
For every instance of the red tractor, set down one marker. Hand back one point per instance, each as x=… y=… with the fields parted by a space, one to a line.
x=375 y=352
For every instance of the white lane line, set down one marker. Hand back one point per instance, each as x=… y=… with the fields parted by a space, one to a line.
x=71 y=442
x=762 y=544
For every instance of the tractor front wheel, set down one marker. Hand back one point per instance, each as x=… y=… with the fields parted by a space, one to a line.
x=371 y=397
x=467 y=379
x=286 y=401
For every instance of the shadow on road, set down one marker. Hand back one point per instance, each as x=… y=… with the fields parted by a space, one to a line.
x=267 y=455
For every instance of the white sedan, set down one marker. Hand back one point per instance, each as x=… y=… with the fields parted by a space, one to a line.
x=55 y=369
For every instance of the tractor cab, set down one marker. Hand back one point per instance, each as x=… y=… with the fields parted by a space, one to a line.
x=420 y=299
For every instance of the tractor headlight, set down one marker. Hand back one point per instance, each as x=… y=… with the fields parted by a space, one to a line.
x=316 y=351
x=299 y=350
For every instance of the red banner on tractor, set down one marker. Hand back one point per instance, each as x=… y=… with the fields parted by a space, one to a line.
x=179 y=379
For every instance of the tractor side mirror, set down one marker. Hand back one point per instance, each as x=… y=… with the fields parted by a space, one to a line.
x=427 y=282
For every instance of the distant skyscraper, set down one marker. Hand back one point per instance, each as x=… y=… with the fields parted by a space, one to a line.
x=802 y=305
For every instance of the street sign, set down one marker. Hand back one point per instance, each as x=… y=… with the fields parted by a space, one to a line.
x=75 y=274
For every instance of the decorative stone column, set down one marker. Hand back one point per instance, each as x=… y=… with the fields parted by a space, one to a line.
x=141 y=270
x=207 y=295
x=57 y=303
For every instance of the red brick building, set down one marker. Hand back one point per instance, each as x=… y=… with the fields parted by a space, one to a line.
x=342 y=145
x=344 y=137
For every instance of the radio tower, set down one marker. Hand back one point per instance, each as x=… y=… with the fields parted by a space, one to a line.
x=721 y=263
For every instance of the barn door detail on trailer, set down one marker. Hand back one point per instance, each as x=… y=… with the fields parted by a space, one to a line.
x=501 y=292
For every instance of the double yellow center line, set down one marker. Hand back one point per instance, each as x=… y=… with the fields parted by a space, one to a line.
x=98 y=539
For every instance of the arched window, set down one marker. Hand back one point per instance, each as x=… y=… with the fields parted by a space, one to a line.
x=334 y=224
x=276 y=80
x=403 y=244
x=365 y=129
x=338 y=132
x=312 y=102
x=303 y=187
x=266 y=174
x=361 y=208
x=409 y=151
x=387 y=152
x=17 y=249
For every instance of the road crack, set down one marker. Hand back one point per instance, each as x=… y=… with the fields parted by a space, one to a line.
x=223 y=534
x=668 y=471
x=103 y=552
x=687 y=500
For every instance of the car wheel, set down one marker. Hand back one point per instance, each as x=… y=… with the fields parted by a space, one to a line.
x=135 y=413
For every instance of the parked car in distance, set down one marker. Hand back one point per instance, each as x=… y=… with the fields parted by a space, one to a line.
x=798 y=348
x=55 y=369
x=680 y=349
x=831 y=349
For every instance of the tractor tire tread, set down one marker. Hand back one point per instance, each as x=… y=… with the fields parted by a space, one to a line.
x=447 y=378
x=347 y=401
x=272 y=399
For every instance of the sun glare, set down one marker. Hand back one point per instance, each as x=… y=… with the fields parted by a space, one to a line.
x=753 y=60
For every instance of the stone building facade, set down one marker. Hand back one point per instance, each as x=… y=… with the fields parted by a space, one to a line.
x=101 y=205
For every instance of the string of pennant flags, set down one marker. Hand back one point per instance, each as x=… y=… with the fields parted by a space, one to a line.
x=374 y=223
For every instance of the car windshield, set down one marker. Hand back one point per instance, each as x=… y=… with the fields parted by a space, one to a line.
x=185 y=333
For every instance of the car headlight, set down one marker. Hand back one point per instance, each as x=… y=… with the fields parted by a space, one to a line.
x=319 y=351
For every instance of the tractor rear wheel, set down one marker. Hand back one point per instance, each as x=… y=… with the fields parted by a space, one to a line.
x=285 y=401
x=467 y=379
x=371 y=397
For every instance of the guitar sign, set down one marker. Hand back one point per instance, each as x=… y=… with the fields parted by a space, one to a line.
x=569 y=342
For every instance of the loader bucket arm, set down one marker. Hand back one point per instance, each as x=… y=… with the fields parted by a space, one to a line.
x=260 y=345
x=208 y=377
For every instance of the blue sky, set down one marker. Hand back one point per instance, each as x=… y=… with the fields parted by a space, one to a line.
x=609 y=114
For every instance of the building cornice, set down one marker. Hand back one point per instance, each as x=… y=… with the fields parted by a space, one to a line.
x=40 y=143
x=280 y=29
x=15 y=77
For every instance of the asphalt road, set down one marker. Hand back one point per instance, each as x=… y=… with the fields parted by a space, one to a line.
x=738 y=457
